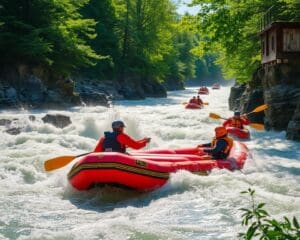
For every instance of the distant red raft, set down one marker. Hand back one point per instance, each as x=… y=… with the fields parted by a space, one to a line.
x=203 y=90
x=237 y=132
x=193 y=106
x=216 y=86
x=145 y=171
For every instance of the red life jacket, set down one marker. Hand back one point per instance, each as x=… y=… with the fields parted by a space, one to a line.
x=237 y=123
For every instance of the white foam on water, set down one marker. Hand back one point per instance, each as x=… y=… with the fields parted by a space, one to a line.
x=39 y=205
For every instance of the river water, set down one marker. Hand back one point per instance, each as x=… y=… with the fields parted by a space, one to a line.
x=39 y=205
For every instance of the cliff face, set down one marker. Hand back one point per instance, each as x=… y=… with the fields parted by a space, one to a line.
x=281 y=84
x=25 y=86
x=279 y=87
x=36 y=87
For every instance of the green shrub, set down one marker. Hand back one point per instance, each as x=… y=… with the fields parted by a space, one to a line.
x=262 y=226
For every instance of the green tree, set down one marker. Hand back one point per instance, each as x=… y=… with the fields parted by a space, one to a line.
x=181 y=61
x=46 y=32
x=106 y=43
x=145 y=30
x=229 y=29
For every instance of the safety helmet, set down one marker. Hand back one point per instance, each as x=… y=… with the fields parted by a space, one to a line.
x=117 y=124
x=220 y=131
x=237 y=113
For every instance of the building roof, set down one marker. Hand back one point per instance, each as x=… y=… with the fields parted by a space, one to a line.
x=280 y=23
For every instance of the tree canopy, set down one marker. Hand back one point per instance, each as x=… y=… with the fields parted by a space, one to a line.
x=107 y=39
x=229 y=28
x=46 y=32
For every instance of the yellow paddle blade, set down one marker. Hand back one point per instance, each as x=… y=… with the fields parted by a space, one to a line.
x=260 y=108
x=205 y=103
x=215 y=116
x=58 y=162
x=184 y=103
x=257 y=126
x=206 y=157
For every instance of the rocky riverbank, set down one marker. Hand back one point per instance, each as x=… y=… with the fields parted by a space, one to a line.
x=278 y=86
x=22 y=86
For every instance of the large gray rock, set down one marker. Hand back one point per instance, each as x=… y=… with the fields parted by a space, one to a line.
x=281 y=74
x=95 y=92
x=293 y=129
x=245 y=99
x=95 y=98
x=279 y=87
x=13 y=131
x=251 y=99
x=172 y=84
x=33 y=91
x=154 y=89
x=11 y=93
x=58 y=120
x=132 y=93
x=282 y=100
x=34 y=87
x=53 y=96
x=235 y=94
x=5 y=122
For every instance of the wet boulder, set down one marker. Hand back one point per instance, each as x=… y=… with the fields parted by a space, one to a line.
x=154 y=89
x=245 y=99
x=235 y=94
x=293 y=129
x=251 y=99
x=282 y=101
x=32 y=118
x=95 y=98
x=5 y=122
x=13 y=131
x=58 y=120
x=132 y=93
x=32 y=91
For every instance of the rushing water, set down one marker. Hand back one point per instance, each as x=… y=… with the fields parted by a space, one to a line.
x=39 y=205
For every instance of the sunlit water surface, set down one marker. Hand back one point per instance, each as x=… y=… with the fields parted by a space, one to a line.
x=39 y=205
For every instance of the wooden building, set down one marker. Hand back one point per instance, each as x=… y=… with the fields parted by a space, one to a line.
x=280 y=42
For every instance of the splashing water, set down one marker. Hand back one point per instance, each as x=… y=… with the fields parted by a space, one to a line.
x=39 y=205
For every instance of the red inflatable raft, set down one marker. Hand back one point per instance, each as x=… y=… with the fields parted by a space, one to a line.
x=147 y=170
x=216 y=86
x=193 y=106
x=203 y=91
x=237 y=132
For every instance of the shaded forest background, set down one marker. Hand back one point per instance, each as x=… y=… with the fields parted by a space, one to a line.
x=107 y=39
x=133 y=41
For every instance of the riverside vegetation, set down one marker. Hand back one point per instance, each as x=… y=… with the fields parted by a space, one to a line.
x=137 y=45
x=262 y=226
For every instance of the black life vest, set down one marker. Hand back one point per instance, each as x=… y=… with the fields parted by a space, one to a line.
x=111 y=144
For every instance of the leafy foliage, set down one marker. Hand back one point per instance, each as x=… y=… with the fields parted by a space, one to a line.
x=229 y=28
x=145 y=40
x=47 y=32
x=106 y=42
x=262 y=226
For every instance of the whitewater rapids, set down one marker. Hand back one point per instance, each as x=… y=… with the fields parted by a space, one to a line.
x=39 y=205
